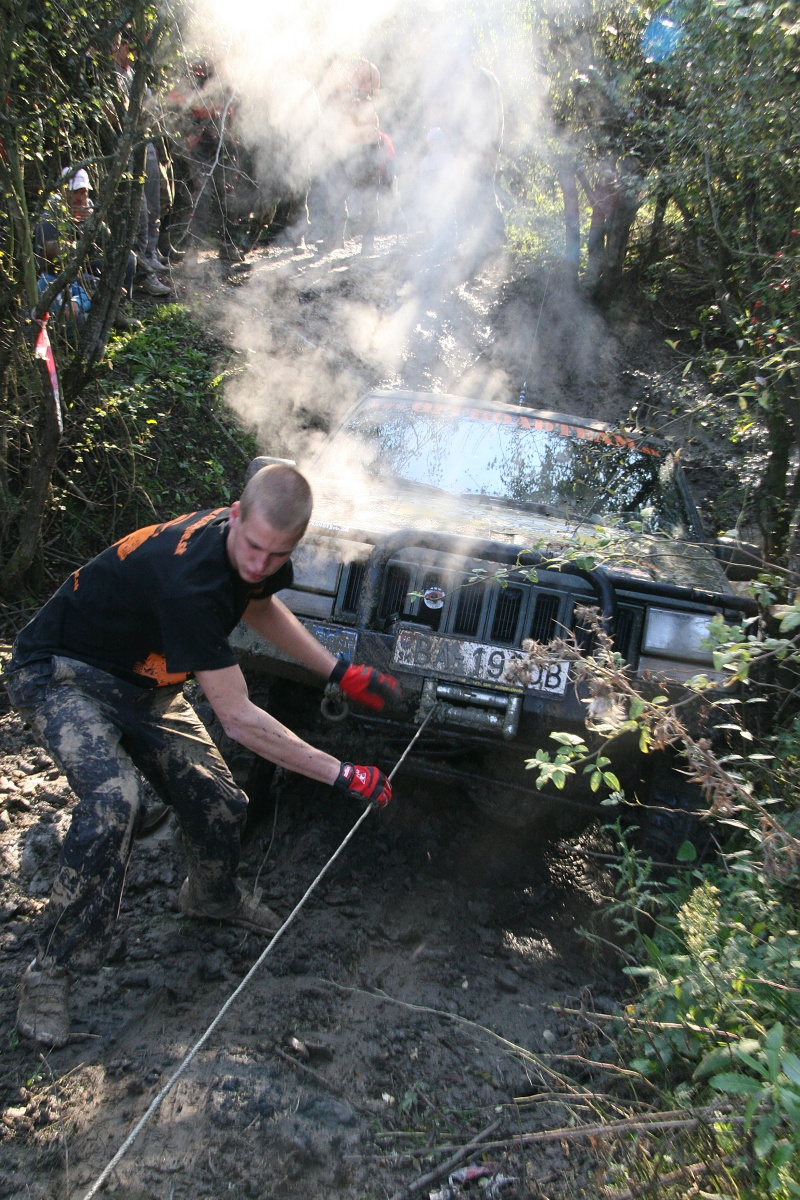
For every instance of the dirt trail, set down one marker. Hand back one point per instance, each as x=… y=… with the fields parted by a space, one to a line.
x=412 y=929
x=411 y=1005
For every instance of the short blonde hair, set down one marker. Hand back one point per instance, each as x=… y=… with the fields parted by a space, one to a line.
x=281 y=496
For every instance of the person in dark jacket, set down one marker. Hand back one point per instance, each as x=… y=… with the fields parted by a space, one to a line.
x=98 y=674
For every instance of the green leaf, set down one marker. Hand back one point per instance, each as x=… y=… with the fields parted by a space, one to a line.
x=790 y=1065
x=763 y=1139
x=749 y=1061
x=773 y=1044
x=774 y=1039
x=686 y=853
x=610 y=780
x=736 y=1085
x=720 y=1056
x=568 y=739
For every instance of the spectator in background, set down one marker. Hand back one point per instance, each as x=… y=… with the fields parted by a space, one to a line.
x=79 y=301
x=148 y=259
x=58 y=229
x=201 y=111
x=354 y=150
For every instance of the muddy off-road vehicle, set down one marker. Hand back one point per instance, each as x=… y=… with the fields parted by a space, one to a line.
x=419 y=501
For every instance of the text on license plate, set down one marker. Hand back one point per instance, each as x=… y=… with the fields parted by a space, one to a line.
x=428 y=652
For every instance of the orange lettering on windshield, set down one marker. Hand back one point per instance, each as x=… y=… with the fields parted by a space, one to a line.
x=520 y=421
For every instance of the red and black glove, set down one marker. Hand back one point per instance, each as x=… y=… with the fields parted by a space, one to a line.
x=365 y=685
x=367 y=782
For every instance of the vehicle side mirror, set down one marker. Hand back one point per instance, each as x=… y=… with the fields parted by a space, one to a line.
x=264 y=460
x=741 y=561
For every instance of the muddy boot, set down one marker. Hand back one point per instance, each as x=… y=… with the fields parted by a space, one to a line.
x=43 y=1013
x=246 y=910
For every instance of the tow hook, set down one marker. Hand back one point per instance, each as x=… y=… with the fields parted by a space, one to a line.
x=333 y=705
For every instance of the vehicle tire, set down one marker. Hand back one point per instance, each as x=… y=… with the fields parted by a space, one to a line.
x=671 y=814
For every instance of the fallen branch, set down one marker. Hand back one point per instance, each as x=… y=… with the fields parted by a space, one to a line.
x=689 y=1119
x=781 y=987
x=470 y=1151
x=693 y=1172
x=608 y=1129
x=645 y=1023
x=590 y=1062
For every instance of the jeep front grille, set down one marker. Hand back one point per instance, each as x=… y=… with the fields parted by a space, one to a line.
x=468 y=609
x=506 y=614
x=487 y=612
x=396 y=588
x=584 y=635
x=544 y=626
x=355 y=578
x=628 y=632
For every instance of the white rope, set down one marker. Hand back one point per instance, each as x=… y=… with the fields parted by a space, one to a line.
x=173 y=1079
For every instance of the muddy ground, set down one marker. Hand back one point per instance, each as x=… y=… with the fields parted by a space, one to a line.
x=414 y=1002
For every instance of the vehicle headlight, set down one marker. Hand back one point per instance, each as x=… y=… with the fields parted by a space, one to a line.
x=677 y=635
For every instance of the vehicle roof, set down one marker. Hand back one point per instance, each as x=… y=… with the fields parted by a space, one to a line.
x=489 y=405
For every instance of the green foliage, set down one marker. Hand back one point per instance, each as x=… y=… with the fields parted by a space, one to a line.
x=718 y=1017
x=61 y=107
x=151 y=439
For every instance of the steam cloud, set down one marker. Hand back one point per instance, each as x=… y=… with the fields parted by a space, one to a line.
x=317 y=330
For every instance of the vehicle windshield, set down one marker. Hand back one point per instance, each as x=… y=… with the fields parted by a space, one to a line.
x=512 y=459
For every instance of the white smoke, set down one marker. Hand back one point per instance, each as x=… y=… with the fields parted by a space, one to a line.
x=317 y=329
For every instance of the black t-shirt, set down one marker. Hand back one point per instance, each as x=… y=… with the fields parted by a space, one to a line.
x=154 y=607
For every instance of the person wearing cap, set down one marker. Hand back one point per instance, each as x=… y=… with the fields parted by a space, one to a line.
x=98 y=674
x=60 y=226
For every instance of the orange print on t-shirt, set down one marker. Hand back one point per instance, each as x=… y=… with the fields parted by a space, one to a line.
x=127 y=545
x=155 y=667
x=193 y=528
x=132 y=541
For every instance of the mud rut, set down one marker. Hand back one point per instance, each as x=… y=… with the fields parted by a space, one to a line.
x=343 y=1065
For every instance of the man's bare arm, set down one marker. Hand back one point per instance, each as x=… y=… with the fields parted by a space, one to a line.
x=243 y=721
x=273 y=620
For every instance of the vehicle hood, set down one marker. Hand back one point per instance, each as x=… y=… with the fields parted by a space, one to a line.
x=380 y=511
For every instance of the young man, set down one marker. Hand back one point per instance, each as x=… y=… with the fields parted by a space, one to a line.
x=98 y=675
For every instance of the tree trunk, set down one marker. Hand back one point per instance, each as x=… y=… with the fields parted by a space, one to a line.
x=656 y=229
x=618 y=230
x=774 y=516
x=41 y=469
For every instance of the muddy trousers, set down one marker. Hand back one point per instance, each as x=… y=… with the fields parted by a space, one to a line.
x=101 y=729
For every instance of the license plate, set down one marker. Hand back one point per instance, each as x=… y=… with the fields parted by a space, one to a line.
x=431 y=654
x=340 y=641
